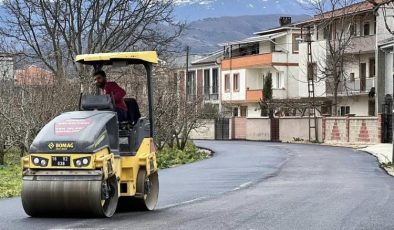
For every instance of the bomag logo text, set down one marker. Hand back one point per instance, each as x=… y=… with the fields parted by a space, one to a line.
x=64 y=145
x=61 y=146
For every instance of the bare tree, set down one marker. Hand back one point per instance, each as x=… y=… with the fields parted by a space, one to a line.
x=335 y=20
x=176 y=115
x=55 y=31
x=25 y=108
x=385 y=6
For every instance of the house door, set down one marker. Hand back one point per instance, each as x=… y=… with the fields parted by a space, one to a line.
x=275 y=129
x=363 y=77
x=371 y=106
x=222 y=129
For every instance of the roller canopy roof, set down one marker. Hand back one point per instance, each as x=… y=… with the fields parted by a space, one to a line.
x=111 y=58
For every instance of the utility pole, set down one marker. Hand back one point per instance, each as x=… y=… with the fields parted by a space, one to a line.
x=187 y=58
x=311 y=89
x=187 y=68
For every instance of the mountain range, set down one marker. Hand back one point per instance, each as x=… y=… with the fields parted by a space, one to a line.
x=191 y=10
x=204 y=35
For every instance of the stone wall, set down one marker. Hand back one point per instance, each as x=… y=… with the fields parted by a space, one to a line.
x=239 y=128
x=258 y=129
x=205 y=132
x=354 y=130
x=297 y=128
x=331 y=130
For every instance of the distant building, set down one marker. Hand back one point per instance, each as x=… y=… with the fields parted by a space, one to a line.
x=248 y=62
x=357 y=24
x=7 y=65
x=203 y=78
x=31 y=75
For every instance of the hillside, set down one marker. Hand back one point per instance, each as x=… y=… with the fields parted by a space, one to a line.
x=204 y=35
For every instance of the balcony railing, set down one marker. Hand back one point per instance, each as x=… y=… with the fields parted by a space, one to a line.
x=357 y=86
x=211 y=97
x=254 y=95
x=191 y=97
x=356 y=44
x=257 y=60
x=245 y=51
x=362 y=44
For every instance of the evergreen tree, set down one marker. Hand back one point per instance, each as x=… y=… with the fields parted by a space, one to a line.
x=267 y=89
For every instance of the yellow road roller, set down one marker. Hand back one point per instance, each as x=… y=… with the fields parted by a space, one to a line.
x=86 y=163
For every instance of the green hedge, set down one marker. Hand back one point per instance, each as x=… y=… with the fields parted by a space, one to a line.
x=169 y=157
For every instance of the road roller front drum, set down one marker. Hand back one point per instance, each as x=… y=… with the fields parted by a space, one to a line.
x=70 y=195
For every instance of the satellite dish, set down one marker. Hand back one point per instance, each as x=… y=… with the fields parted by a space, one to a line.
x=219 y=61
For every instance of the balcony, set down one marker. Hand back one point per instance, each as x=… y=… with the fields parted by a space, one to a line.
x=191 y=97
x=363 y=44
x=356 y=44
x=355 y=87
x=254 y=95
x=249 y=61
x=211 y=97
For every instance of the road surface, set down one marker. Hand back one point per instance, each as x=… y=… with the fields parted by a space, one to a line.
x=253 y=185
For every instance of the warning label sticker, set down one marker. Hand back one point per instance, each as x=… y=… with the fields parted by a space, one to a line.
x=71 y=127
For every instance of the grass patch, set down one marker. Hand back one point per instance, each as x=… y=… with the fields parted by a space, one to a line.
x=10 y=181
x=169 y=157
x=11 y=175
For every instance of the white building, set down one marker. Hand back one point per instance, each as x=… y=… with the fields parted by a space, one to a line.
x=202 y=80
x=247 y=62
x=353 y=30
x=385 y=54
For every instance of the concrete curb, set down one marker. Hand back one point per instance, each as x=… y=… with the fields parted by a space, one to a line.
x=382 y=154
x=211 y=152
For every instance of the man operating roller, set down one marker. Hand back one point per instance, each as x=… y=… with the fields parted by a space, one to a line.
x=112 y=88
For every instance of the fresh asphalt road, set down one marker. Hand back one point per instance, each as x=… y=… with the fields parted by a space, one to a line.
x=253 y=185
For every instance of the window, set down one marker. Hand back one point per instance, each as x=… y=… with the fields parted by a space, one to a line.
x=345 y=110
x=366 y=28
x=215 y=82
x=278 y=81
x=353 y=30
x=372 y=72
x=363 y=77
x=296 y=44
x=261 y=80
x=327 y=34
x=273 y=45
x=235 y=112
x=351 y=77
x=191 y=83
x=227 y=82
x=207 y=80
x=236 y=82
x=371 y=107
x=244 y=110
